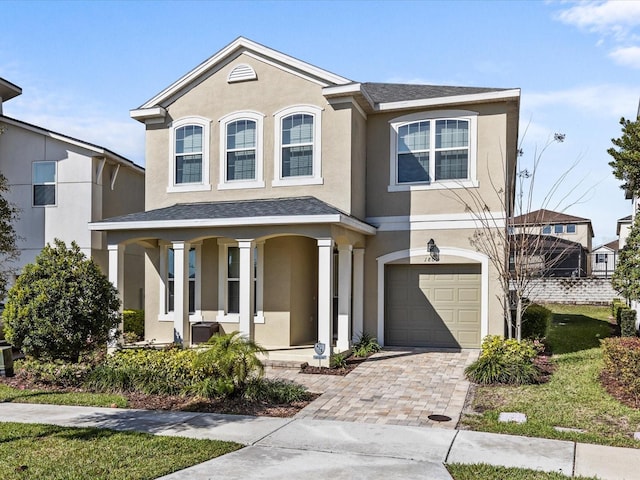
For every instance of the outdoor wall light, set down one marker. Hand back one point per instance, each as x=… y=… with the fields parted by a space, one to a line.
x=434 y=251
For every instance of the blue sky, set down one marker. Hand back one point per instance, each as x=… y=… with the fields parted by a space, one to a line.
x=84 y=65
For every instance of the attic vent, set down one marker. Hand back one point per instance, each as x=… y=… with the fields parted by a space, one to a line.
x=242 y=73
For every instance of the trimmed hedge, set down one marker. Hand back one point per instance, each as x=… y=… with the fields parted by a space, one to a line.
x=535 y=321
x=622 y=361
x=616 y=305
x=627 y=322
x=133 y=321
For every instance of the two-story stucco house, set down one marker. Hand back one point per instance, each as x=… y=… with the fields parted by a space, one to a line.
x=60 y=184
x=297 y=206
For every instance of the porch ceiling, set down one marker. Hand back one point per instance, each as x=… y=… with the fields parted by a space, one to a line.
x=280 y=211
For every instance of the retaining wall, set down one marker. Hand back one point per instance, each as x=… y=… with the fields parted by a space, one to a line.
x=590 y=290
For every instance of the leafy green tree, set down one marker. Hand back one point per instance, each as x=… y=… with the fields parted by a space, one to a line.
x=626 y=277
x=626 y=155
x=9 y=252
x=61 y=306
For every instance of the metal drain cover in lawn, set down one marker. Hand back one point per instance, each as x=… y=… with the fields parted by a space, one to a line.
x=439 y=418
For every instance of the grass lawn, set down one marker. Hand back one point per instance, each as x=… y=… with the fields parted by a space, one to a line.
x=489 y=472
x=45 y=451
x=573 y=398
x=9 y=394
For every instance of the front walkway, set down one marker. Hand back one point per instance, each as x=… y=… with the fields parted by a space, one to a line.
x=393 y=387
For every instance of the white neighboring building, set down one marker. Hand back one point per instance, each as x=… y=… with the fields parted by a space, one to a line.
x=61 y=184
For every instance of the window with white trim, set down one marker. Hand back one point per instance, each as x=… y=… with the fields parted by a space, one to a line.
x=431 y=149
x=170 y=282
x=298 y=146
x=229 y=282
x=546 y=230
x=571 y=228
x=44 y=183
x=190 y=154
x=601 y=258
x=241 y=151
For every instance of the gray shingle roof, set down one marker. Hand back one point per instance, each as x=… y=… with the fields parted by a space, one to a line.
x=302 y=206
x=543 y=217
x=398 y=92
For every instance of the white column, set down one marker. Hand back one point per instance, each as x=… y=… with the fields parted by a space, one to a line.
x=325 y=294
x=358 y=293
x=181 y=333
x=246 y=287
x=116 y=277
x=344 y=297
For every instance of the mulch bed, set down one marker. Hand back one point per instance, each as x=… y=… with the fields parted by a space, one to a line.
x=618 y=391
x=352 y=362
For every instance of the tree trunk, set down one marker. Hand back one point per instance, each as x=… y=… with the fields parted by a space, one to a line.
x=519 y=318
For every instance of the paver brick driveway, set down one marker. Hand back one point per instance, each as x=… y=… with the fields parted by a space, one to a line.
x=400 y=386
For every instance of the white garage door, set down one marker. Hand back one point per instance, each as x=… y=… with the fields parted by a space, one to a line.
x=432 y=305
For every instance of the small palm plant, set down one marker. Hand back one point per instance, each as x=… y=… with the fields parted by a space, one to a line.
x=233 y=361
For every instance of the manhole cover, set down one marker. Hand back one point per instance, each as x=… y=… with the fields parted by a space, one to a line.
x=439 y=418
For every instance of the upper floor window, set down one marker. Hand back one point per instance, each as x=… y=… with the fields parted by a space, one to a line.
x=546 y=230
x=44 y=183
x=558 y=229
x=432 y=148
x=190 y=152
x=297 y=146
x=571 y=228
x=241 y=151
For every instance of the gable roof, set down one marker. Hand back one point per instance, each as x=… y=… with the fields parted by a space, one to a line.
x=370 y=96
x=628 y=220
x=235 y=48
x=278 y=211
x=8 y=90
x=97 y=149
x=545 y=217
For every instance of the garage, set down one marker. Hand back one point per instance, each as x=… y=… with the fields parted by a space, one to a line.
x=433 y=305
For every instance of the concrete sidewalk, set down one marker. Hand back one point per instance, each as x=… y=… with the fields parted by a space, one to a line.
x=278 y=447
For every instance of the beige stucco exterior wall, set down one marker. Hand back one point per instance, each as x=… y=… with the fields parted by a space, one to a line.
x=273 y=91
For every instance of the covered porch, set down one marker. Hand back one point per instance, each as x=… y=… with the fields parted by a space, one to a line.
x=286 y=273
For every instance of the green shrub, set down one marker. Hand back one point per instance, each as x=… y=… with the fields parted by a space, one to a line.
x=1 y=330
x=338 y=360
x=619 y=314
x=133 y=321
x=535 y=321
x=504 y=361
x=57 y=372
x=61 y=306
x=365 y=345
x=233 y=362
x=622 y=362
x=275 y=391
x=616 y=304
x=627 y=322
x=146 y=370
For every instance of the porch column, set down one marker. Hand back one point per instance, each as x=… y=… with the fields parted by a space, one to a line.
x=344 y=297
x=181 y=333
x=246 y=287
x=358 y=293
x=116 y=277
x=325 y=294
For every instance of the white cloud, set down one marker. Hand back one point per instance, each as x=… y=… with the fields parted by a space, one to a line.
x=609 y=100
x=80 y=118
x=626 y=56
x=613 y=17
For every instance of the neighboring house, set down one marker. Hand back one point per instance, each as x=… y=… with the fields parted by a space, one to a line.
x=295 y=205
x=623 y=226
x=604 y=259
x=60 y=184
x=565 y=241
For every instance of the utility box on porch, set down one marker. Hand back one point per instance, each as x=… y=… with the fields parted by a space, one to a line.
x=203 y=331
x=6 y=362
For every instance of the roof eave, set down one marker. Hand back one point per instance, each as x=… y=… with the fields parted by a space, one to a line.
x=8 y=90
x=149 y=115
x=503 y=95
x=339 y=219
